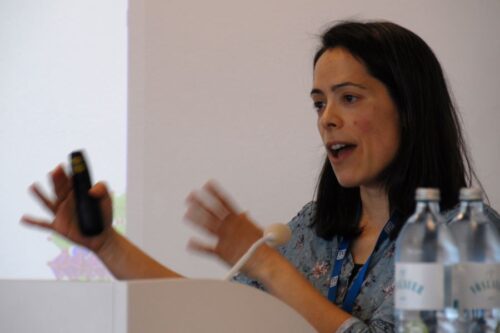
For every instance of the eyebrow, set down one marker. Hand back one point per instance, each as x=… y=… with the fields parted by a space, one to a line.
x=338 y=86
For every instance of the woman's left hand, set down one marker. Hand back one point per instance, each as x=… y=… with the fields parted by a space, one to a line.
x=214 y=212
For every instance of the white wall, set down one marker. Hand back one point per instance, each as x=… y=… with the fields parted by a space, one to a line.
x=62 y=87
x=219 y=90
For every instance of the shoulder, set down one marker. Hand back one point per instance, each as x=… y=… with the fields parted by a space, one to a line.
x=304 y=217
x=305 y=245
x=300 y=226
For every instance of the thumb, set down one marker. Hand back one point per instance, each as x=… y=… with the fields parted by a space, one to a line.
x=101 y=193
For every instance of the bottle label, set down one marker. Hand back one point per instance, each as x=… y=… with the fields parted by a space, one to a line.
x=478 y=285
x=419 y=286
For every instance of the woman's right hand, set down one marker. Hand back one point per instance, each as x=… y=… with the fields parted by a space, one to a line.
x=64 y=213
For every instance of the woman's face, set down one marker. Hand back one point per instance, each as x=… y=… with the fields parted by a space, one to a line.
x=357 y=119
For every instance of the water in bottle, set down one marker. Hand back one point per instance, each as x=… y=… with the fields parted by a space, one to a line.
x=477 y=276
x=425 y=255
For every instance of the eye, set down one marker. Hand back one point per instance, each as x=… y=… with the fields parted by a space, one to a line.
x=349 y=99
x=319 y=105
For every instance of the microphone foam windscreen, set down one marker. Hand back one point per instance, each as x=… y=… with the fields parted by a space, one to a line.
x=277 y=234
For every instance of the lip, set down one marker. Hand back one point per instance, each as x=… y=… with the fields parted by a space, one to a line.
x=336 y=159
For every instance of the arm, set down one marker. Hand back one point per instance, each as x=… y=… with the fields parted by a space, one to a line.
x=317 y=309
x=123 y=259
x=235 y=233
x=126 y=261
x=374 y=307
x=282 y=280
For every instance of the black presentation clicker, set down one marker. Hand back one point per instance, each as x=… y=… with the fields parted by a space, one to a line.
x=88 y=211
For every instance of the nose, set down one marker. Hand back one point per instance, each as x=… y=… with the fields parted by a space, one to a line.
x=330 y=117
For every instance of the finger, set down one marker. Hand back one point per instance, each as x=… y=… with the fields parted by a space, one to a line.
x=61 y=182
x=198 y=246
x=37 y=192
x=224 y=198
x=101 y=193
x=202 y=218
x=194 y=200
x=211 y=203
x=36 y=222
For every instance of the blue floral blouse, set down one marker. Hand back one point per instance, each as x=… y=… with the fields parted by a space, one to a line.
x=373 y=309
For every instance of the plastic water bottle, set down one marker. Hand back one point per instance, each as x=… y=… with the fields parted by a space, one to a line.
x=477 y=276
x=425 y=255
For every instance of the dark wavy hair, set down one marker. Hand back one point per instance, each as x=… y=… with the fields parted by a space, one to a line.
x=432 y=151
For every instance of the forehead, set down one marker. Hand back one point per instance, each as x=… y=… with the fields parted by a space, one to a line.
x=337 y=65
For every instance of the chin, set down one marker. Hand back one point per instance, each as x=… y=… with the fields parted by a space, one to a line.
x=352 y=183
x=348 y=183
x=350 y=179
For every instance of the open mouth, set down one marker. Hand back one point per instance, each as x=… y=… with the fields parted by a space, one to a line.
x=341 y=149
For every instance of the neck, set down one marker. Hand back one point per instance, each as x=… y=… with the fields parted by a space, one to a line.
x=375 y=209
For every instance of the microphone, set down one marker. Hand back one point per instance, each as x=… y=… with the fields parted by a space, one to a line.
x=274 y=235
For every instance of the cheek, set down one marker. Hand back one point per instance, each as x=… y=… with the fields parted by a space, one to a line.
x=377 y=135
x=363 y=125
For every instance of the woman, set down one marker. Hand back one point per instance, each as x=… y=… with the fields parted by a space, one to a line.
x=388 y=125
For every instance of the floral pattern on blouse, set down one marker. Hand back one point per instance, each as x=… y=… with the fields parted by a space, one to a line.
x=373 y=309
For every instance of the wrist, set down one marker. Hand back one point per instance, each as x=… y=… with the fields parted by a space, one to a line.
x=108 y=244
x=264 y=264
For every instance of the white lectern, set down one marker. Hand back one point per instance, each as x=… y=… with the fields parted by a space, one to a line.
x=142 y=306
